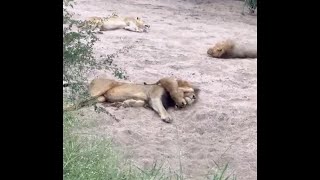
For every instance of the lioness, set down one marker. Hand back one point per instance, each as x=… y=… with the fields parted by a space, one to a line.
x=94 y=22
x=176 y=89
x=135 y=95
x=135 y=24
x=228 y=49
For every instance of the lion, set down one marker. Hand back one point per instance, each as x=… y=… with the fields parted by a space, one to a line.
x=134 y=24
x=95 y=21
x=228 y=49
x=188 y=89
x=176 y=89
x=134 y=95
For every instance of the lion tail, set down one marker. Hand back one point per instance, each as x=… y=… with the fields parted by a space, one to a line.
x=88 y=102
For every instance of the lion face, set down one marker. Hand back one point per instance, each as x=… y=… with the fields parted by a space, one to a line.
x=221 y=48
x=181 y=104
x=141 y=23
x=179 y=99
x=190 y=97
x=216 y=51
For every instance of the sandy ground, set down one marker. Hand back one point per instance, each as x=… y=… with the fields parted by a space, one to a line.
x=221 y=127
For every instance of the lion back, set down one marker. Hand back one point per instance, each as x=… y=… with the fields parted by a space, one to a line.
x=98 y=87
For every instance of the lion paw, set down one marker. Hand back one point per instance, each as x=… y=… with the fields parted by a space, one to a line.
x=167 y=119
x=116 y=104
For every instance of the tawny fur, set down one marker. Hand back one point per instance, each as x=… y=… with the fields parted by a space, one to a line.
x=95 y=21
x=135 y=24
x=185 y=86
x=171 y=85
x=188 y=89
x=229 y=49
x=176 y=89
x=132 y=95
x=113 y=22
x=99 y=86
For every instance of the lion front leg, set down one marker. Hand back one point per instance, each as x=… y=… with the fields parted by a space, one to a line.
x=132 y=27
x=157 y=106
x=129 y=103
x=133 y=103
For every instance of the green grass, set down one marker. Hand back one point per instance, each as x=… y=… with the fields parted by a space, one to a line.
x=95 y=158
x=251 y=5
x=219 y=174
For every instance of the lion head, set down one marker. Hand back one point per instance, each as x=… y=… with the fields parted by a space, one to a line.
x=140 y=23
x=221 y=49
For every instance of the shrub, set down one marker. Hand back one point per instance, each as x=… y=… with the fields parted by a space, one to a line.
x=78 y=59
x=251 y=5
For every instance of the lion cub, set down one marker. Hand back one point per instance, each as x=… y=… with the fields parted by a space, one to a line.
x=176 y=89
x=228 y=49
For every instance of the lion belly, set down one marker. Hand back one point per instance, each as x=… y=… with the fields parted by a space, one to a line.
x=127 y=91
x=113 y=24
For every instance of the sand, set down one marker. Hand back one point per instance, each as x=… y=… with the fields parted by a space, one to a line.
x=222 y=127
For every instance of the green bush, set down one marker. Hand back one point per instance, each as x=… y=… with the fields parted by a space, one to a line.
x=94 y=157
x=78 y=59
x=251 y=5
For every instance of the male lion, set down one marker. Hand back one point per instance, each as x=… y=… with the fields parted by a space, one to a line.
x=228 y=49
x=134 y=95
x=176 y=89
x=135 y=24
